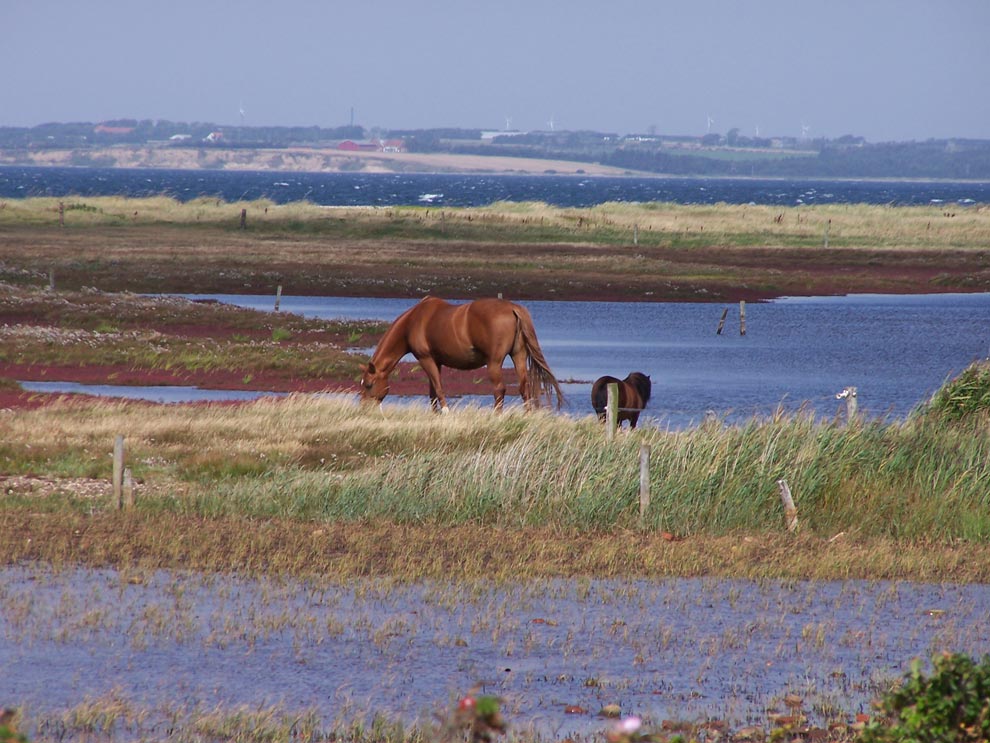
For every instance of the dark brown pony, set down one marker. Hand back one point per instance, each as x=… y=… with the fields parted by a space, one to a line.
x=634 y=393
x=463 y=336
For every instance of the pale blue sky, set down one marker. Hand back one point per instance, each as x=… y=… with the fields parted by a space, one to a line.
x=883 y=69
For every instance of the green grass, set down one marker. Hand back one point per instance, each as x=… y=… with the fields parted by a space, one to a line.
x=323 y=460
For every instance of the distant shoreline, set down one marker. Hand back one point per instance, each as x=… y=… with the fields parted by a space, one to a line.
x=302 y=160
x=325 y=160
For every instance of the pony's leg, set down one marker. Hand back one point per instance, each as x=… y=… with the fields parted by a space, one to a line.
x=438 y=401
x=498 y=386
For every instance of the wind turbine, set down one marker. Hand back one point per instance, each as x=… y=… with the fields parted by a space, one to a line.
x=242 y=112
x=710 y=122
x=805 y=128
x=550 y=123
x=508 y=123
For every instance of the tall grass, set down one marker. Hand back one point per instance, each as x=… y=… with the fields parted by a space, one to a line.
x=655 y=223
x=326 y=460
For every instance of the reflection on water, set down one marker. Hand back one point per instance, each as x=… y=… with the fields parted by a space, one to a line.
x=153 y=393
x=671 y=649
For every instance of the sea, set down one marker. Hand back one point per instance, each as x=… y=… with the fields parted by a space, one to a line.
x=461 y=190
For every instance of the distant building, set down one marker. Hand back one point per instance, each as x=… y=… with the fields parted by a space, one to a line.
x=371 y=145
x=104 y=129
x=213 y=137
x=180 y=137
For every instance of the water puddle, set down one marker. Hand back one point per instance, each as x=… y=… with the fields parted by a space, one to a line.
x=681 y=649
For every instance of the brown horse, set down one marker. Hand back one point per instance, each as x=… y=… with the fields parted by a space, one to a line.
x=634 y=393
x=463 y=336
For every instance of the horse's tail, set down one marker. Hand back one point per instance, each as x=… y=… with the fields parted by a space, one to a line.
x=542 y=381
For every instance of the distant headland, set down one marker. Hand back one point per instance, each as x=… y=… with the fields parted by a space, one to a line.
x=131 y=143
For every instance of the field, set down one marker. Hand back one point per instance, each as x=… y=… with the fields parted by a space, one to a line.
x=622 y=252
x=311 y=488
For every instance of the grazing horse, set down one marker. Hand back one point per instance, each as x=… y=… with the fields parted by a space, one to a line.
x=634 y=393
x=463 y=336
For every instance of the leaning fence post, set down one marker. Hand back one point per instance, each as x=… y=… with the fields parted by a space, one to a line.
x=790 y=510
x=611 y=410
x=721 y=323
x=118 y=470
x=644 y=481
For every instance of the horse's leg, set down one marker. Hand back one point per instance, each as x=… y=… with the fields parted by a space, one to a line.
x=434 y=404
x=438 y=401
x=519 y=362
x=498 y=386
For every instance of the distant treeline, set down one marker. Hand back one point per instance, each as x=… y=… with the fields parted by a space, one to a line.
x=710 y=155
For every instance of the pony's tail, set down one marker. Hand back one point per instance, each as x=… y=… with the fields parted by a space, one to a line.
x=541 y=380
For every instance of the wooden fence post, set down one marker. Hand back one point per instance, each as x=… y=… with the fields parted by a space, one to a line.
x=635 y=234
x=118 y=470
x=852 y=403
x=51 y=279
x=243 y=219
x=644 y=481
x=742 y=317
x=790 y=510
x=611 y=411
x=128 y=489
x=61 y=214
x=278 y=297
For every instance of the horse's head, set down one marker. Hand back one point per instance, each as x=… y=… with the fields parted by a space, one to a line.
x=374 y=383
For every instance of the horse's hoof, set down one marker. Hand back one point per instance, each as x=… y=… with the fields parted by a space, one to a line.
x=444 y=410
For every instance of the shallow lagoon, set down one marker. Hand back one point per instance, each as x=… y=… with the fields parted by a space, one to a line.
x=797 y=353
x=684 y=649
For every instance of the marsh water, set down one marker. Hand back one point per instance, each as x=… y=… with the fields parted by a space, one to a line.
x=681 y=649
x=797 y=353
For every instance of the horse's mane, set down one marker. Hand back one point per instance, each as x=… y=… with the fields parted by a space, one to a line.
x=642 y=384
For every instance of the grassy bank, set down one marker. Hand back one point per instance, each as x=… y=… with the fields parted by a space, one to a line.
x=646 y=251
x=173 y=340
x=314 y=484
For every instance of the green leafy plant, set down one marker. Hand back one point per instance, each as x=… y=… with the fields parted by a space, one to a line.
x=281 y=334
x=951 y=706
x=8 y=729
